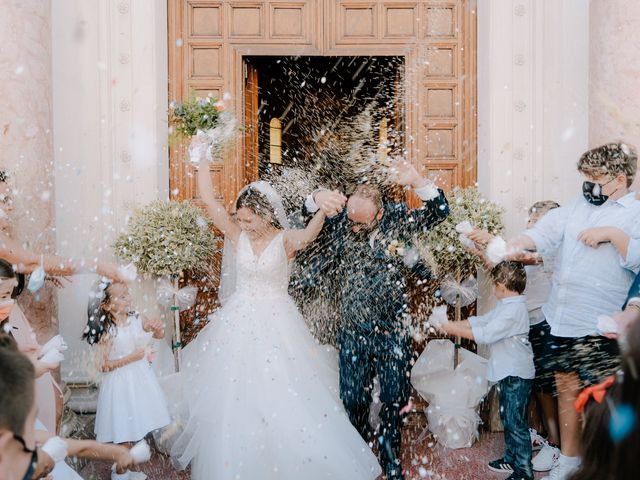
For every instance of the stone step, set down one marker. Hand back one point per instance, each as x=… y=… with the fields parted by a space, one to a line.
x=83 y=399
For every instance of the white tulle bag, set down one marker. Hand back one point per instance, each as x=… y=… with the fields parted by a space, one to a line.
x=454 y=394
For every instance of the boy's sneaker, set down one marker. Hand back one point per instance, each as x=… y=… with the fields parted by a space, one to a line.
x=518 y=476
x=561 y=472
x=546 y=459
x=500 y=466
x=537 y=440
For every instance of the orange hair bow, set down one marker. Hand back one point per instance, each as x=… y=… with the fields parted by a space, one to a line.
x=597 y=392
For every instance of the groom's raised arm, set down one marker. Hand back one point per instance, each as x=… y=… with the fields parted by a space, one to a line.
x=434 y=209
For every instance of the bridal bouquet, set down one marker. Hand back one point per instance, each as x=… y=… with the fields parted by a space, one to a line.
x=205 y=116
x=168 y=238
x=444 y=246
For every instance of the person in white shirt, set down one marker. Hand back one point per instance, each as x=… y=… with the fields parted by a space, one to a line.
x=505 y=330
x=539 y=280
x=592 y=278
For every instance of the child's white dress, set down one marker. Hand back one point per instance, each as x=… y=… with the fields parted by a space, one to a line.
x=130 y=403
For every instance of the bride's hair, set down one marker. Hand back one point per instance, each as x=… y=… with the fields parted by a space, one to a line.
x=258 y=203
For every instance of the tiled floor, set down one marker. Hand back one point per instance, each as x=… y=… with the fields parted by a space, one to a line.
x=422 y=458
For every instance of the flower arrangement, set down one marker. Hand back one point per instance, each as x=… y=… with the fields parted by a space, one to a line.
x=195 y=114
x=168 y=238
x=205 y=116
x=442 y=247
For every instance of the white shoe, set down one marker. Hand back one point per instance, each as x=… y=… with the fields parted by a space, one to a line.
x=137 y=476
x=537 y=440
x=546 y=459
x=119 y=476
x=561 y=472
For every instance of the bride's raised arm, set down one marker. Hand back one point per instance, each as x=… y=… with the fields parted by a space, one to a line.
x=299 y=239
x=221 y=218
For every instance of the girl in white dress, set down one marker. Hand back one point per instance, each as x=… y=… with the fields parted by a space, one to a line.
x=131 y=403
x=260 y=393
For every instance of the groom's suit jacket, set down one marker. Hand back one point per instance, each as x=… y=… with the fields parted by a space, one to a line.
x=370 y=270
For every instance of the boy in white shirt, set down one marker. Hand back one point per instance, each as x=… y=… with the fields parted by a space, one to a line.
x=505 y=330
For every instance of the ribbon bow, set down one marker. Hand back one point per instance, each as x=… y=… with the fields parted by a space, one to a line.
x=597 y=392
x=465 y=292
x=186 y=296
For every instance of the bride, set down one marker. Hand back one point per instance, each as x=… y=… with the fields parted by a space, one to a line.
x=260 y=392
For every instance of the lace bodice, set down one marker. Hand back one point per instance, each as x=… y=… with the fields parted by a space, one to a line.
x=264 y=275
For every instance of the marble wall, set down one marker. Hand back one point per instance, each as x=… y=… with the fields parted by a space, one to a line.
x=26 y=138
x=533 y=100
x=614 y=74
x=110 y=136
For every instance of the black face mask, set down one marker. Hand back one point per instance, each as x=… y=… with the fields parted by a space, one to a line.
x=33 y=463
x=593 y=192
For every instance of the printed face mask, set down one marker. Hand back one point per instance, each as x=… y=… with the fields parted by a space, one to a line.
x=5 y=309
x=593 y=192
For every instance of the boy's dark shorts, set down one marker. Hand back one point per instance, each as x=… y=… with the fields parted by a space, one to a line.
x=593 y=358
x=539 y=336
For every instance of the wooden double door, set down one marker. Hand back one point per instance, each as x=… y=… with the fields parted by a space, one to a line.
x=231 y=47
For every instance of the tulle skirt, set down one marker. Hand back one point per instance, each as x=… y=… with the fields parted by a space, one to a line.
x=131 y=404
x=262 y=400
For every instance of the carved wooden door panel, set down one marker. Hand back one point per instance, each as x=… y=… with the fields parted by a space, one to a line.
x=209 y=38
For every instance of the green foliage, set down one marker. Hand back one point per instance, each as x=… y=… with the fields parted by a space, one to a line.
x=168 y=238
x=195 y=114
x=441 y=247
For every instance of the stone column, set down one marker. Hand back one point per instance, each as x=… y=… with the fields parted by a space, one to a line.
x=26 y=148
x=614 y=101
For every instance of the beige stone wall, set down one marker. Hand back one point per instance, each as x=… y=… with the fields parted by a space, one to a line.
x=614 y=103
x=26 y=140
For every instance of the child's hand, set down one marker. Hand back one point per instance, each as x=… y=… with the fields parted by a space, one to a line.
x=480 y=237
x=139 y=354
x=124 y=460
x=624 y=319
x=154 y=325
x=475 y=251
x=593 y=237
x=32 y=350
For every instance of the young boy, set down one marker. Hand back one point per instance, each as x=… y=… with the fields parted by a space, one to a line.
x=587 y=282
x=21 y=456
x=505 y=330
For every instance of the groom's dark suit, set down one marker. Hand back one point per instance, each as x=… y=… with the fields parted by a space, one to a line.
x=371 y=275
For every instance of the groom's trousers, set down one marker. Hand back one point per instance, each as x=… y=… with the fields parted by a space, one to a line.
x=362 y=356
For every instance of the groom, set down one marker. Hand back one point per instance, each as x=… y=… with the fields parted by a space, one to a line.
x=366 y=247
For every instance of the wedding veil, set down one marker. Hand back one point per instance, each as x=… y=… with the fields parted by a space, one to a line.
x=228 y=272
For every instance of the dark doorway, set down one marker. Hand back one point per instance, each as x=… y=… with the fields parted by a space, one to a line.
x=330 y=112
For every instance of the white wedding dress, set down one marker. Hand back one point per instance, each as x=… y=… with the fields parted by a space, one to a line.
x=261 y=392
